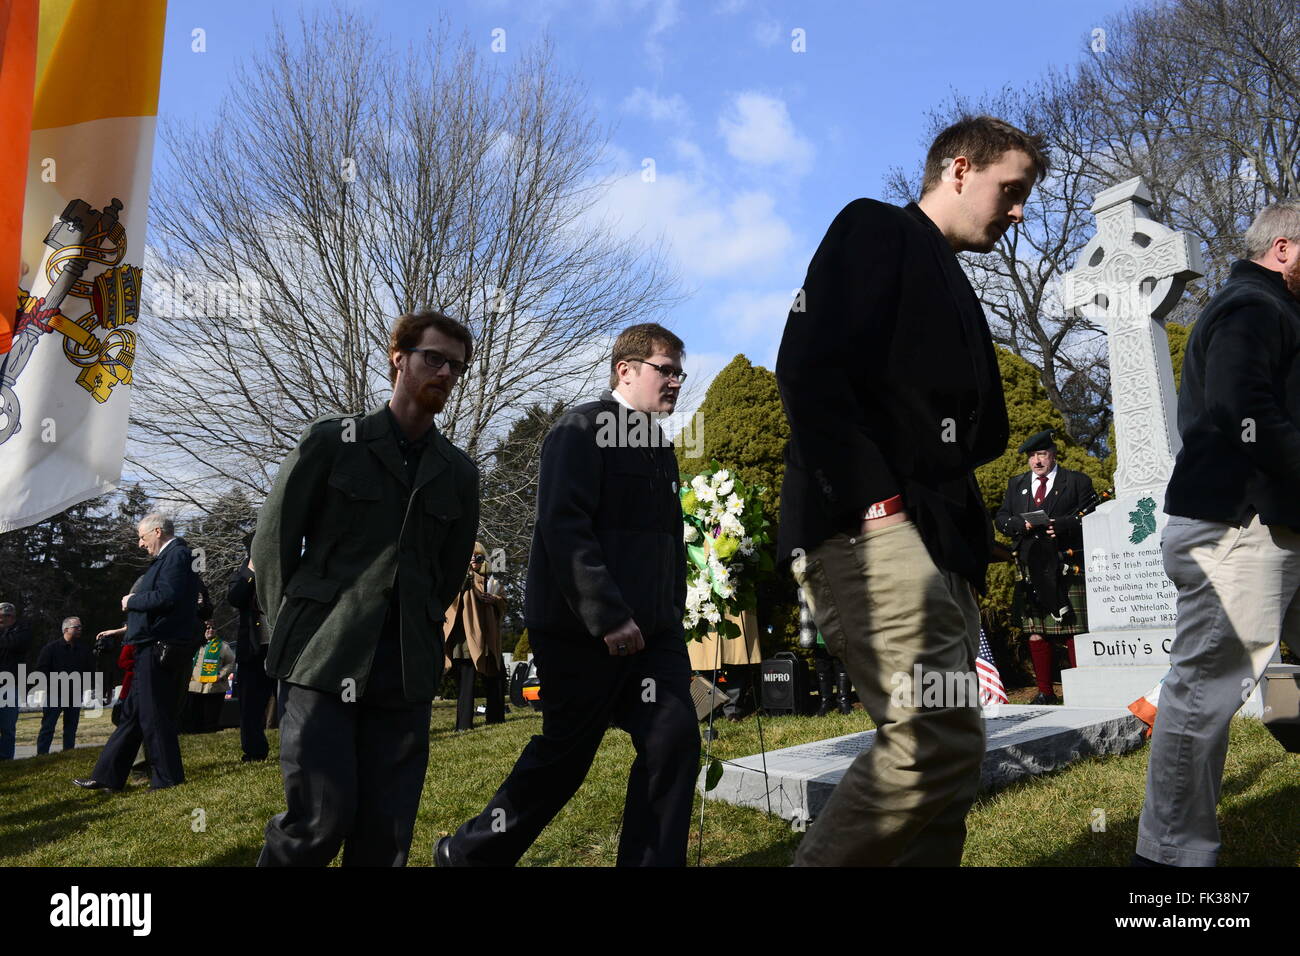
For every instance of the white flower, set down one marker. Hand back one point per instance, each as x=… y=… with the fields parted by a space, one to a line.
x=725 y=487
x=731 y=525
x=689 y=533
x=712 y=614
x=702 y=514
x=747 y=546
x=735 y=505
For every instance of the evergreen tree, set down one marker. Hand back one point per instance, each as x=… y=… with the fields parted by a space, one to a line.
x=77 y=563
x=744 y=429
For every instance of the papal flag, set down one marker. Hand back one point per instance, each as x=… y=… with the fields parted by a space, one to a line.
x=90 y=69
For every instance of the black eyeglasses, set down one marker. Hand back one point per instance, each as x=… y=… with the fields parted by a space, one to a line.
x=436 y=360
x=667 y=371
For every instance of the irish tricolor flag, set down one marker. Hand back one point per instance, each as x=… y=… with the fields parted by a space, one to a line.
x=79 y=81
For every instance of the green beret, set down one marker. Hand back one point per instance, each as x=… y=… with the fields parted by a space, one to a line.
x=1039 y=442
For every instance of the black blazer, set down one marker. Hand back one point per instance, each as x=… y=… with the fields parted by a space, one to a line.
x=1070 y=492
x=165 y=605
x=60 y=657
x=241 y=593
x=1239 y=406
x=607 y=545
x=891 y=385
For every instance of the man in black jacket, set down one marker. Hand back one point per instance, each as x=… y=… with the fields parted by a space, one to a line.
x=1232 y=542
x=253 y=686
x=161 y=620
x=69 y=670
x=15 y=638
x=1053 y=602
x=604 y=606
x=891 y=385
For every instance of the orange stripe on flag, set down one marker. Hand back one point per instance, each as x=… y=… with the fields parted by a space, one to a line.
x=18 y=22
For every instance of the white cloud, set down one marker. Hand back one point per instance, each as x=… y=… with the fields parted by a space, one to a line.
x=710 y=235
x=758 y=131
x=643 y=102
x=754 y=314
x=767 y=32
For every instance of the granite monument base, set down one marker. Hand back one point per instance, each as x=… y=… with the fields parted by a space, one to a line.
x=1022 y=741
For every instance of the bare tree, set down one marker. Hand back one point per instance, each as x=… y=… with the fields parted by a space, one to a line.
x=343 y=183
x=1200 y=97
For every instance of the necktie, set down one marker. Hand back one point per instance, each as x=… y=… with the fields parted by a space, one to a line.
x=1041 y=493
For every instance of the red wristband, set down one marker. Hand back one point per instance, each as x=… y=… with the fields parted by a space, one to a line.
x=881 y=509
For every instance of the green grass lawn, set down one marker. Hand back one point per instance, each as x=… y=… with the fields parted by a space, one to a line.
x=1048 y=821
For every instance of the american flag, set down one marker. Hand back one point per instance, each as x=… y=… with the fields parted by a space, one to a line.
x=991 y=689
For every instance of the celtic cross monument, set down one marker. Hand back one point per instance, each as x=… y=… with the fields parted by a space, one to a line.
x=1128 y=279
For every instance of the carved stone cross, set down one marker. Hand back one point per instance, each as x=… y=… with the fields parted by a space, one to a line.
x=1130 y=276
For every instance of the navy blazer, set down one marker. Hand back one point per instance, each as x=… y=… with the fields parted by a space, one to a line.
x=607 y=544
x=165 y=605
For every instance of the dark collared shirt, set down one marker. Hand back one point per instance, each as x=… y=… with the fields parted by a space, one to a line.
x=411 y=451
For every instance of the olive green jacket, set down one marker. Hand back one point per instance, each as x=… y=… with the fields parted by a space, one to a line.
x=340 y=527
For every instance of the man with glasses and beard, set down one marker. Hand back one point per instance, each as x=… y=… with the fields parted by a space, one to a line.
x=360 y=547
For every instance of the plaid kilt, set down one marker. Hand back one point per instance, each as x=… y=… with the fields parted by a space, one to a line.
x=1075 y=622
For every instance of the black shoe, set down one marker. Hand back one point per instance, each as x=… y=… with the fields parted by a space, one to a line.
x=1046 y=699
x=90 y=783
x=846 y=707
x=442 y=852
x=249 y=758
x=825 y=708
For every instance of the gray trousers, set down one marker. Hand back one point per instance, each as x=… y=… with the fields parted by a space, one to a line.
x=1238 y=596
x=353 y=774
x=885 y=609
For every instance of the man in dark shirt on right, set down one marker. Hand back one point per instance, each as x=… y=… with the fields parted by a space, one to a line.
x=1232 y=544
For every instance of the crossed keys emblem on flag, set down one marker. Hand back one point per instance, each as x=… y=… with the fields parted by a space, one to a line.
x=82 y=236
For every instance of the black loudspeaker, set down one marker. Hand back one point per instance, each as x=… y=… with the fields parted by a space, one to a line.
x=518 y=674
x=785 y=684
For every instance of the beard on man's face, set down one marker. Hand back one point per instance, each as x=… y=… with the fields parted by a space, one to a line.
x=1292 y=279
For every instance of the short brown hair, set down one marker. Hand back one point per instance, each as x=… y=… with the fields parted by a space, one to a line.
x=982 y=140
x=409 y=328
x=639 y=342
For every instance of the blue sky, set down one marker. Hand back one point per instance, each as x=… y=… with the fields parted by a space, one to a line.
x=756 y=146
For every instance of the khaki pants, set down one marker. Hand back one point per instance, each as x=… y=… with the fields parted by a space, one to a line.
x=884 y=609
x=1238 y=595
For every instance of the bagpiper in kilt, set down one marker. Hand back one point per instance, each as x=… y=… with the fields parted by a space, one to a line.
x=1050 y=599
